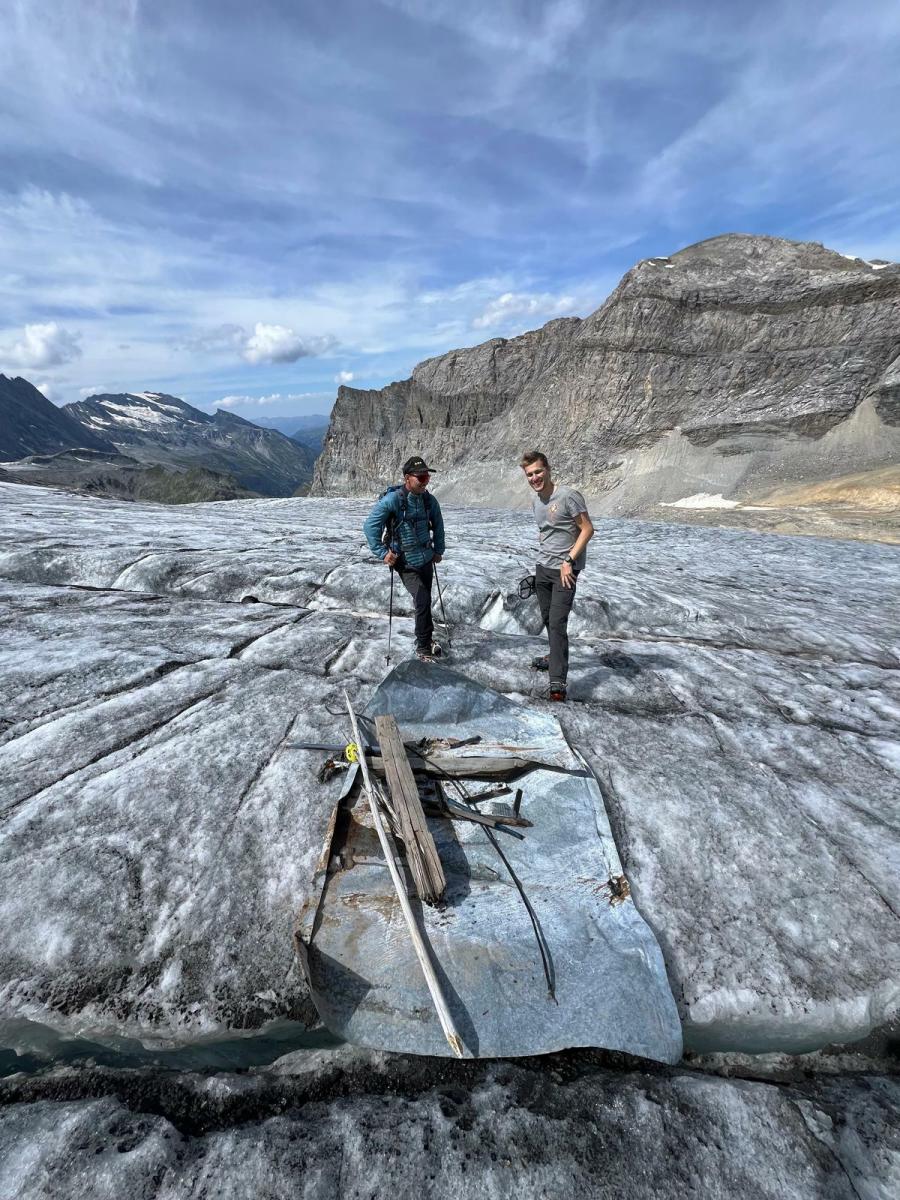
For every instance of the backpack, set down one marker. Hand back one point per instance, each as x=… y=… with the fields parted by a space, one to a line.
x=390 y=526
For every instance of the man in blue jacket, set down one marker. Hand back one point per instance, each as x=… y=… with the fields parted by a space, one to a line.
x=405 y=530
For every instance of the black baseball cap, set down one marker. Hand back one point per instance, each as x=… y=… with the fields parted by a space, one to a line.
x=414 y=465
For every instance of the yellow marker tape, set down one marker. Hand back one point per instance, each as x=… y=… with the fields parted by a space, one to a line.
x=351 y=753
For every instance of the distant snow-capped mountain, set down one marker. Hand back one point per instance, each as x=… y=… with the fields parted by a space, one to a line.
x=160 y=429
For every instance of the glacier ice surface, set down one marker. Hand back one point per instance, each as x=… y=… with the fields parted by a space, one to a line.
x=737 y=695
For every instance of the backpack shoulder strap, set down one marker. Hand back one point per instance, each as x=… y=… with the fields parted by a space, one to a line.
x=397 y=494
x=403 y=498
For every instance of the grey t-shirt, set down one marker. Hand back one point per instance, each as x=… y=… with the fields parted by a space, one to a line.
x=557 y=530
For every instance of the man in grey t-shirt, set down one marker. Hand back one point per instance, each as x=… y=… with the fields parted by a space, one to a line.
x=564 y=530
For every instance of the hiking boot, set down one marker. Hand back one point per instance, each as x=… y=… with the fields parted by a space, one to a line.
x=429 y=653
x=541 y=663
x=556 y=691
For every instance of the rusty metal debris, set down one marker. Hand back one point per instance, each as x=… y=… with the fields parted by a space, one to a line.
x=351 y=938
x=619 y=889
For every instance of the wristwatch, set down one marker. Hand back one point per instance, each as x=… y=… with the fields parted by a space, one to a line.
x=570 y=560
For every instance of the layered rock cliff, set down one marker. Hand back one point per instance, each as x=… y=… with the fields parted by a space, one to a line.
x=736 y=365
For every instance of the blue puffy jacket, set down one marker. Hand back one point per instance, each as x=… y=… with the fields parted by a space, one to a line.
x=414 y=523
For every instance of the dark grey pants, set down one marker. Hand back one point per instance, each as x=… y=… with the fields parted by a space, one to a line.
x=556 y=603
x=417 y=581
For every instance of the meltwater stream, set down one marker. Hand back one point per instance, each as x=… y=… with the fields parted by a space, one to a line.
x=27 y=1046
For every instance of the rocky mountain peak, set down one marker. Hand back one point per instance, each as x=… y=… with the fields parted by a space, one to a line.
x=135 y=412
x=223 y=417
x=736 y=253
x=31 y=424
x=734 y=365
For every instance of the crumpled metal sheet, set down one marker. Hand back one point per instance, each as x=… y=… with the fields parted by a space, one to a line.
x=610 y=981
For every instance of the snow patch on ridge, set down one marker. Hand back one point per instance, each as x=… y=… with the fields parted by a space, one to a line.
x=875 y=264
x=147 y=416
x=701 y=500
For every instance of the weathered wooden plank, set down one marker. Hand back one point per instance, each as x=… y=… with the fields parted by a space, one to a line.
x=431 y=979
x=421 y=852
x=455 y=766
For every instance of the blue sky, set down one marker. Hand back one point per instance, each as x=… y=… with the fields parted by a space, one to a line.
x=248 y=204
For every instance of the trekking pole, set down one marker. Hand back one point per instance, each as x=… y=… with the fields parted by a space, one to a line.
x=387 y=657
x=443 y=612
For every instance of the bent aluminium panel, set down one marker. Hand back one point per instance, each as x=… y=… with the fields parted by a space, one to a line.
x=609 y=986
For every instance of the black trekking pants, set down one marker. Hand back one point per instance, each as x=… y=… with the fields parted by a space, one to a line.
x=417 y=581
x=556 y=603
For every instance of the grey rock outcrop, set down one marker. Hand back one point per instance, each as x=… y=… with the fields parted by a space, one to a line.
x=738 y=364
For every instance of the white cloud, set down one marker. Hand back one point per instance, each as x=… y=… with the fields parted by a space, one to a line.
x=267 y=343
x=49 y=390
x=278 y=344
x=97 y=389
x=344 y=377
x=275 y=398
x=42 y=346
x=512 y=306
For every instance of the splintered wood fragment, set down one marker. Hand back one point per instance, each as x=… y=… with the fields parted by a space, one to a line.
x=459 y=812
x=421 y=852
x=458 y=766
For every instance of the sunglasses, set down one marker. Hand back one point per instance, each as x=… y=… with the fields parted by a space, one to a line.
x=422 y=476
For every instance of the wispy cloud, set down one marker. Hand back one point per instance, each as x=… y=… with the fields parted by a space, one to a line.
x=222 y=337
x=289 y=401
x=519 y=307
x=204 y=200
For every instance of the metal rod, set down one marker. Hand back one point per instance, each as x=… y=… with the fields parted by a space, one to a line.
x=443 y=612
x=418 y=941
x=543 y=948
